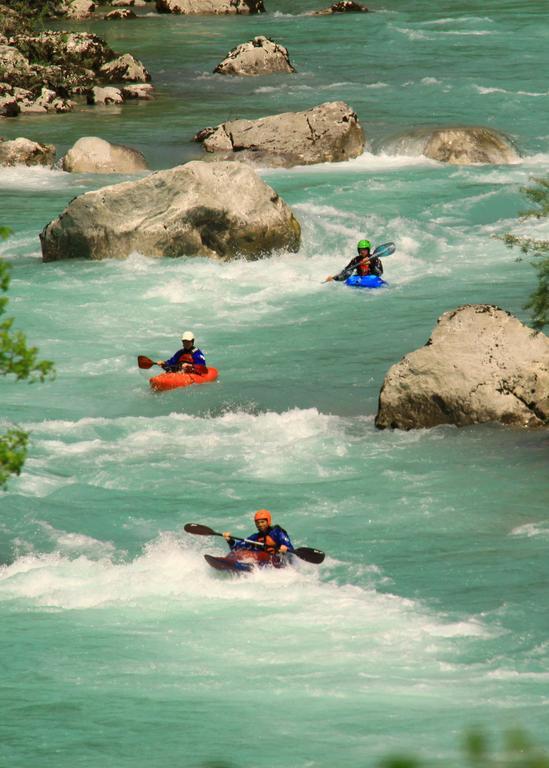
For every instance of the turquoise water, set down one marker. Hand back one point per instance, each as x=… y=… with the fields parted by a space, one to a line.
x=429 y=615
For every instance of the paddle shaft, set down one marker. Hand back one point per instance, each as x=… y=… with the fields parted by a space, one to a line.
x=305 y=553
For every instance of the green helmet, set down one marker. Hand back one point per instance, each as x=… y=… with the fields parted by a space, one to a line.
x=363 y=244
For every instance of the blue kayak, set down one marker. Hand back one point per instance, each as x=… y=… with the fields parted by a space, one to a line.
x=366 y=281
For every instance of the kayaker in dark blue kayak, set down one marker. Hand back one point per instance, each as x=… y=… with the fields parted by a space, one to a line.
x=364 y=263
x=275 y=539
x=189 y=359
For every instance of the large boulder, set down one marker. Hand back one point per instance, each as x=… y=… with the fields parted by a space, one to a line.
x=218 y=210
x=23 y=151
x=457 y=145
x=93 y=155
x=327 y=133
x=260 y=56
x=481 y=364
x=210 y=6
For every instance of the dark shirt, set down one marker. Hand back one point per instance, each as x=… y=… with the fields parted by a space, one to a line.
x=353 y=267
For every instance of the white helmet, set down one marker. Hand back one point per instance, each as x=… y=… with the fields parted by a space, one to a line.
x=188 y=336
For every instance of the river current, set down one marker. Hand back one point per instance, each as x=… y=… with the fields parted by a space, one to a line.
x=119 y=646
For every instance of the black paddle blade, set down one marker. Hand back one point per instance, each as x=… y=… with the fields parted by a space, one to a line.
x=200 y=530
x=310 y=555
x=144 y=362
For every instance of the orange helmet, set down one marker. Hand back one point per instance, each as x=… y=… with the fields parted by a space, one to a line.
x=263 y=514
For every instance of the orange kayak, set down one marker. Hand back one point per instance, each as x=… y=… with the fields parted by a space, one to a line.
x=173 y=380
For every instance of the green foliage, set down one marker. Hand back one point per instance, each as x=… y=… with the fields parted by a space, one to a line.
x=20 y=360
x=516 y=751
x=13 y=451
x=538 y=302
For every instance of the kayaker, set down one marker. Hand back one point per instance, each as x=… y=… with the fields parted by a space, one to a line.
x=189 y=359
x=274 y=538
x=362 y=264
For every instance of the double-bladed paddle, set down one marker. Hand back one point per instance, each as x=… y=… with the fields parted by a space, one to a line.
x=384 y=250
x=305 y=553
x=381 y=252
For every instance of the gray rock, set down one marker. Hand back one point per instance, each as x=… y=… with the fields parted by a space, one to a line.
x=50 y=102
x=91 y=154
x=327 y=133
x=470 y=145
x=120 y=15
x=125 y=68
x=127 y=3
x=108 y=95
x=217 y=210
x=456 y=145
x=260 y=56
x=78 y=9
x=481 y=364
x=344 y=6
x=23 y=151
x=138 y=91
x=9 y=106
x=210 y=6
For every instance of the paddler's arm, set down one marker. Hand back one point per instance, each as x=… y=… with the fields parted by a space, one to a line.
x=345 y=273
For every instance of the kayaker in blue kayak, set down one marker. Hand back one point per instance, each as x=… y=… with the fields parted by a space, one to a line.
x=364 y=263
x=275 y=539
x=189 y=359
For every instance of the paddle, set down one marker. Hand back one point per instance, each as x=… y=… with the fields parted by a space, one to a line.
x=382 y=251
x=145 y=362
x=305 y=553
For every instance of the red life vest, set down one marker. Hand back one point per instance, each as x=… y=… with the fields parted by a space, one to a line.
x=363 y=268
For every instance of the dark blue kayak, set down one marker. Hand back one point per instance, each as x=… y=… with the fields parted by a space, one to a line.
x=228 y=564
x=366 y=281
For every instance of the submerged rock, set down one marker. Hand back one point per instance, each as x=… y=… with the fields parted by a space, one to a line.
x=481 y=364
x=108 y=95
x=218 y=210
x=456 y=145
x=344 y=6
x=260 y=56
x=91 y=154
x=23 y=151
x=120 y=14
x=210 y=6
x=327 y=133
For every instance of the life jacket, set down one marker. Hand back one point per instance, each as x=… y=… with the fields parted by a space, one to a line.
x=363 y=267
x=270 y=544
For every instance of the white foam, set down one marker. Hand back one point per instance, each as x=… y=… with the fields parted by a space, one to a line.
x=529 y=530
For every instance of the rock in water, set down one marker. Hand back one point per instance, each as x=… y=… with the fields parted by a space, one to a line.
x=327 y=133
x=481 y=364
x=23 y=151
x=210 y=6
x=218 y=210
x=260 y=56
x=93 y=155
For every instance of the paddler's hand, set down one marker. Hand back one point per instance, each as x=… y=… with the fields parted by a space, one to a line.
x=329 y=279
x=160 y=362
x=283 y=549
x=227 y=535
